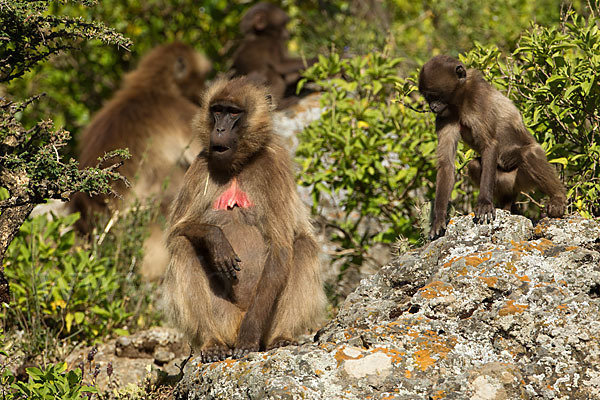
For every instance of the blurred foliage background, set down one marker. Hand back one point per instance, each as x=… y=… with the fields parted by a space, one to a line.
x=371 y=154
x=78 y=82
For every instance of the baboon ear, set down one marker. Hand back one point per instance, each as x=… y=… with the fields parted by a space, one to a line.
x=461 y=72
x=180 y=68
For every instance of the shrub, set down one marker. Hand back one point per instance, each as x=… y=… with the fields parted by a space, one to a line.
x=368 y=154
x=65 y=292
x=553 y=79
x=32 y=169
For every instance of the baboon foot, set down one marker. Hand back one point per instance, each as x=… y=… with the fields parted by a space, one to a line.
x=215 y=353
x=282 y=342
x=244 y=349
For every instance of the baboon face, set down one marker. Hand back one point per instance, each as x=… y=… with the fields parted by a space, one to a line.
x=225 y=135
x=439 y=81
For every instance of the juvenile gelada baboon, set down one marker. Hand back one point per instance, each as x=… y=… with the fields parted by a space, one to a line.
x=244 y=273
x=151 y=116
x=511 y=161
x=262 y=54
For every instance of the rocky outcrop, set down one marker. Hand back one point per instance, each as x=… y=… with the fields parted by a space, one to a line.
x=498 y=311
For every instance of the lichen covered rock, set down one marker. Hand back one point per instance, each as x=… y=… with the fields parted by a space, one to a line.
x=495 y=311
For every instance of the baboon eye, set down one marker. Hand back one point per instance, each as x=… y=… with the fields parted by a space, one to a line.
x=235 y=114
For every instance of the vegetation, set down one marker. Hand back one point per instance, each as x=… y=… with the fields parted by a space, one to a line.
x=373 y=155
x=370 y=154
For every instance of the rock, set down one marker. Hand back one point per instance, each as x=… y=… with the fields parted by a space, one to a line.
x=131 y=358
x=498 y=311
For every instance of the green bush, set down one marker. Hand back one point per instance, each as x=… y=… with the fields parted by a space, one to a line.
x=368 y=154
x=52 y=382
x=553 y=79
x=62 y=289
x=374 y=157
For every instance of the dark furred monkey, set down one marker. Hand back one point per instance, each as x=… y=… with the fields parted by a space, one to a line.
x=244 y=272
x=262 y=54
x=511 y=161
x=151 y=115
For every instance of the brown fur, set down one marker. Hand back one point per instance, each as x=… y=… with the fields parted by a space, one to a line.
x=151 y=116
x=262 y=54
x=511 y=161
x=278 y=292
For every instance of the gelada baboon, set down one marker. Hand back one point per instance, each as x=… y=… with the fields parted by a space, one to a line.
x=262 y=54
x=510 y=161
x=244 y=273
x=151 y=116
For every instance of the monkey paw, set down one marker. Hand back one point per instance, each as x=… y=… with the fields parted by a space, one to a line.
x=215 y=353
x=485 y=212
x=243 y=350
x=282 y=342
x=438 y=229
x=556 y=207
x=224 y=259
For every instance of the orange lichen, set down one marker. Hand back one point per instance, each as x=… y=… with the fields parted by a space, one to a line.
x=395 y=355
x=524 y=278
x=436 y=289
x=491 y=281
x=407 y=374
x=450 y=262
x=423 y=359
x=510 y=267
x=341 y=356
x=440 y=394
x=512 y=308
x=430 y=345
x=541 y=245
x=475 y=260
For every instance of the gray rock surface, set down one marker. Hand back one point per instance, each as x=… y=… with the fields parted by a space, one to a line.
x=498 y=311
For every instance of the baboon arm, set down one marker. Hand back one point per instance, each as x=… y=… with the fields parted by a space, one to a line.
x=489 y=161
x=211 y=239
x=448 y=136
x=272 y=282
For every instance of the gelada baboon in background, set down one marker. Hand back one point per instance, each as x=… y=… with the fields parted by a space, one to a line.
x=244 y=273
x=510 y=161
x=151 y=116
x=262 y=54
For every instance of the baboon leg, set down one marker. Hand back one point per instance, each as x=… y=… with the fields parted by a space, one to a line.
x=272 y=282
x=536 y=171
x=302 y=302
x=209 y=320
x=505 y=186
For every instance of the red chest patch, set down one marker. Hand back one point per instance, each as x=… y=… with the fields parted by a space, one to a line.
x=233 y=197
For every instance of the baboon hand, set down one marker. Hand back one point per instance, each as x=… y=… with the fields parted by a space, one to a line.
x=224 y=259
x=485 y=212
x=438 y=228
